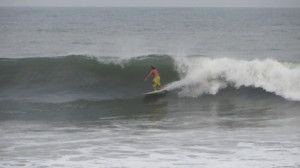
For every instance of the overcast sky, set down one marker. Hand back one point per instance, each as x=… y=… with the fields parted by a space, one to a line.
x=152 y=3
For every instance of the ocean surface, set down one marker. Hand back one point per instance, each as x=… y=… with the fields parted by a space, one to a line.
x=71 y=87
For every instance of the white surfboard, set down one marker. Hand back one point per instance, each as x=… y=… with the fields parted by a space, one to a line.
x=156 y=92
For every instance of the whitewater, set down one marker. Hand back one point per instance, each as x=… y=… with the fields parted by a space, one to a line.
x=208 y=75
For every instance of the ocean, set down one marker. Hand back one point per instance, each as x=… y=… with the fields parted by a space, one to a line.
x=71 y=87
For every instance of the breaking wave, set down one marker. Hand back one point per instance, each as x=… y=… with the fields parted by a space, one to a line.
x=74 y=77
x=202 y=75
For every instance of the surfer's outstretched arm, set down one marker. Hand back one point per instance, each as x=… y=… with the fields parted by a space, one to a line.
x=147 y=76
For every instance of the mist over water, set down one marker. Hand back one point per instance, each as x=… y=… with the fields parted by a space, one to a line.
x=71 y=87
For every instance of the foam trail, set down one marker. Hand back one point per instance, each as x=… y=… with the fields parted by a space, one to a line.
x=207 y=75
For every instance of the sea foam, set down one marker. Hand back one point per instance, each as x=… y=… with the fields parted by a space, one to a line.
x=202 y=75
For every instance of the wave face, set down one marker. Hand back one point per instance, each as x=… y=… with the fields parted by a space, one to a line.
x=207 y=76
x=79 y=77
x=69 y=78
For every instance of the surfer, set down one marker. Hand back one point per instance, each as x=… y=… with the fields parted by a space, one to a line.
x=155 y=78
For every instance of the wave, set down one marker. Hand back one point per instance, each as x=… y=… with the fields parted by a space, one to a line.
x=73 y=77
x=207 y=76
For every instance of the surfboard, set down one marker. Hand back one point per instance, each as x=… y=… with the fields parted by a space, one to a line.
x=156 y=92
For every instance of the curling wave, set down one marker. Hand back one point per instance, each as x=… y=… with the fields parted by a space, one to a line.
x=69 y=78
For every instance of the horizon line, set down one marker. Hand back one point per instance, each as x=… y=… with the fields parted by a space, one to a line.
x=67 y=6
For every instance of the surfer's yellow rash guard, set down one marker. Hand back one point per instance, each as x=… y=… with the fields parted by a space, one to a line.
x=156 y=82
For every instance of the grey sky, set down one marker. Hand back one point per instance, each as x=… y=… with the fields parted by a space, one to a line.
x=151 y=3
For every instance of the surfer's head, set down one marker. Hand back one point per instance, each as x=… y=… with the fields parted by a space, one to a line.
x=152 y=67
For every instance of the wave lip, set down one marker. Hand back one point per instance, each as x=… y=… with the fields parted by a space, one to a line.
x=202 y=75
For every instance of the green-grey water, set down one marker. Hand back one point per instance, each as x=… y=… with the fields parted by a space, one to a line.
x=71 y=87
